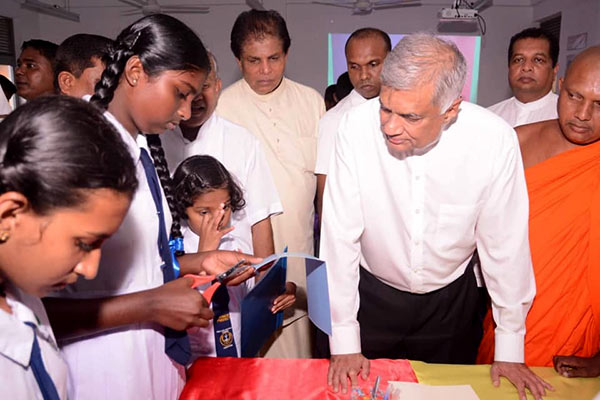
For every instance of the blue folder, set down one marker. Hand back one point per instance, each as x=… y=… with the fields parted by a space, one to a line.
x=259 y=323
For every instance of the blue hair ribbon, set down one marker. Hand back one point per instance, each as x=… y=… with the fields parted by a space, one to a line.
x=176 y=245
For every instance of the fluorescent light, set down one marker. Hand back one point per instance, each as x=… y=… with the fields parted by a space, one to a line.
x=49 y=9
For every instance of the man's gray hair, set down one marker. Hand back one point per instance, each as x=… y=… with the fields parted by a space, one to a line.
x=421 y=58
x=213 y=62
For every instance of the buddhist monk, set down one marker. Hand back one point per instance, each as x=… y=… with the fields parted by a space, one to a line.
x=562 y=168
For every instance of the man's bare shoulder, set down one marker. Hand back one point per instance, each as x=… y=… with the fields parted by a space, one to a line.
x=539 y=141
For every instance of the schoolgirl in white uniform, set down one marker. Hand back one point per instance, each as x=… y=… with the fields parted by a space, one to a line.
x=64 y=188
x=131 y=312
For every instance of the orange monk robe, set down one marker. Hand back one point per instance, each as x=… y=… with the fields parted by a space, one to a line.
x=564 y=236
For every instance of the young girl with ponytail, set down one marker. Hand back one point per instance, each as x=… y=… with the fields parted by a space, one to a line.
x=124 y=335
x=64 y=188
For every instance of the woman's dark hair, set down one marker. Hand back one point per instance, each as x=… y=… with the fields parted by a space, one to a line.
x=162 y=43
x=197 y=175
x=53 y=149
x=256 y=24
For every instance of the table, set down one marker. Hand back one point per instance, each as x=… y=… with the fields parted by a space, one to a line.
x=264 y=379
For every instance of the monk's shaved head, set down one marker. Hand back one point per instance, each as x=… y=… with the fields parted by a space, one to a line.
x=579 y=101
x=586 y=62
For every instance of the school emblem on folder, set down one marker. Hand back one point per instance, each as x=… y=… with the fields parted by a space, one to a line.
x=226 y=338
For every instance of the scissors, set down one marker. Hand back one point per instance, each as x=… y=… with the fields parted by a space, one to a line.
x=217 y=280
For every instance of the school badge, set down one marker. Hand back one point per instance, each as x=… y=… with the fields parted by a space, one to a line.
x=226 y=338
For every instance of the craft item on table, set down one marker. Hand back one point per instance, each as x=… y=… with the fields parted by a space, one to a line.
x=373 y=394
x=419 y=391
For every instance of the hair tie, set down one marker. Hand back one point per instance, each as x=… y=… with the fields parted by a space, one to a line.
x=137 y=36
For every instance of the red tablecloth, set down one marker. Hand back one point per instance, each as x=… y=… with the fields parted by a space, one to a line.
x=268 y=378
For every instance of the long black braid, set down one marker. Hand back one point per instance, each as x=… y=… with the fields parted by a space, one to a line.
x=162 y=43
x=162 y=170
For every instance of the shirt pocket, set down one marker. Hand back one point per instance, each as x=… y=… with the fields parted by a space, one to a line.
x=455 y=228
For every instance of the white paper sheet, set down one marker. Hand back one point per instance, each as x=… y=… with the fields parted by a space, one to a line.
x=418 y=391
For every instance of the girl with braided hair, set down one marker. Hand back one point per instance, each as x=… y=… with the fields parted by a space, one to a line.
x=64 y=189
x=129 y=341
x=212 y=203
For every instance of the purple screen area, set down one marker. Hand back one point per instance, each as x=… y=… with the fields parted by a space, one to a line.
x=468 y=45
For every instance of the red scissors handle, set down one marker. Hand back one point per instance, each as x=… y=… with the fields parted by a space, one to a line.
x=199 y=280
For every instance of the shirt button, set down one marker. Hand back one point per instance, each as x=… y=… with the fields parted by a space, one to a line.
x=417 y=242
x=417 y=178
x=417 y=211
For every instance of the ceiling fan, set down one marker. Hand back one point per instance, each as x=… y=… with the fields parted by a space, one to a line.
x=256 y=5
x=362 y=7
x=147 y=7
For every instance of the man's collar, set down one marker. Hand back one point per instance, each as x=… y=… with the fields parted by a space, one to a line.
x=265 y=97
x=202 y=130
x=536 y=103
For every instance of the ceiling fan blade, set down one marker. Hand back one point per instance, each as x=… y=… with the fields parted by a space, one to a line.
x=132 y=3
x=132 y=12
x=333 y=4
x=398 y=3
x=185 y=7
x=388 y=6
x=180 y=11
x=256 y=5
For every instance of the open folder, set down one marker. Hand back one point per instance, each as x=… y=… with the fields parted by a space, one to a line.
x=259 y=323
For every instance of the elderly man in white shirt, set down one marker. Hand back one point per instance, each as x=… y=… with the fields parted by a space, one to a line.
x=238 y=150
x=420 y=180
x=532 y=68
x=365 y=51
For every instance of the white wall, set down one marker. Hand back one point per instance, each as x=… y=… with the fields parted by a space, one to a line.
x=26 y=23
x=577 y=16
x=309 y=25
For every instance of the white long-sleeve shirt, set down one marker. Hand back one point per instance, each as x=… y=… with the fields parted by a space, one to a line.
x=241 y=153
x=516 y=113
x=328 y=127
x=415 y=222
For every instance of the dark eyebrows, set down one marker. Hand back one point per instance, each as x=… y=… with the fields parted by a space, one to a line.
x=193 y=90
x=97 y=236
x=384 y=108
x=410 y=116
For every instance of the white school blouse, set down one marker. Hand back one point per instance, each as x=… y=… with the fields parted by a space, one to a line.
x=128 y=362
x=328 y=127
x=516 y=113
x=16 y=340
x=241 y=154
x=415 y=222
